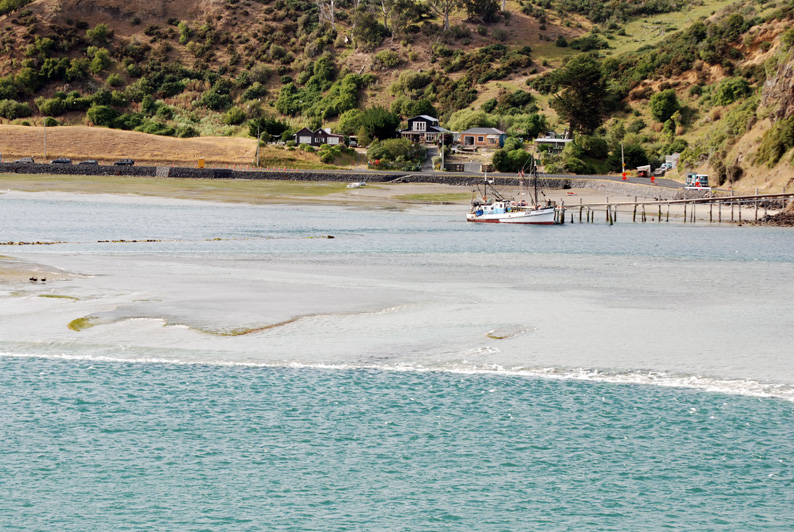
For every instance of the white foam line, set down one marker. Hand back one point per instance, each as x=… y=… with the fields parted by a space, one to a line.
x=749 y=388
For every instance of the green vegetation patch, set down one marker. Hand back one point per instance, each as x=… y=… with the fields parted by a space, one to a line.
x=7 y=6
x=775 y=143
x=57 y=296
x=82 y=323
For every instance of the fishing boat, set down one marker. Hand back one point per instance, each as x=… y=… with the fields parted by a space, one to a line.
x=492 y=207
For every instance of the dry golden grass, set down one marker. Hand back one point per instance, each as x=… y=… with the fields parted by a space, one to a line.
x=108 y=145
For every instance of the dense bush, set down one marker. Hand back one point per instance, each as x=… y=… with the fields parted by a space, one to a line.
x=588 y=43
x=13 y=109
x=380 y=123
x=368 y=32
x=7 y=6
x=400 y=152
x=273 y=127
x=214 y=100
x=329 y=153
x=386 y=59
x=102 y=115
x=776 y=142
x=730 y=90
x=664 y=104
x=598 y=11
x=100 y=35
x=512 y=158
x=349 y=122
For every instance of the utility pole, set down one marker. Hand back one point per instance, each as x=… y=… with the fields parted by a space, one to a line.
x=257 y=145
x=443 y=139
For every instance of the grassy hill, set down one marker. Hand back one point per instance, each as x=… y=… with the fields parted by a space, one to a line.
x=209 y=68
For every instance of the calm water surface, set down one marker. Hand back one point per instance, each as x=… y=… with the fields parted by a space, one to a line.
x=439 y=375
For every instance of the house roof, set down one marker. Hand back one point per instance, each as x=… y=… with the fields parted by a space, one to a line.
x=430 y=129
x=545 y=140
x=483 y=131
x=305 y=130
x=426 y=117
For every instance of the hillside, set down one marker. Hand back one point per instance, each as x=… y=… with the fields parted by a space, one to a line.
x=230 y=68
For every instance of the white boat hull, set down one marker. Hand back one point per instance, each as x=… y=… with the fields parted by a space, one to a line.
x=534 y=216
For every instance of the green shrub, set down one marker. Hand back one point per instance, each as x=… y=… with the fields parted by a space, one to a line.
x=512 y=159
x=664 y=104
x=50 y=122
x=114 y=80
x=184 y=132
x=164 y=112
x=100 y=61
x=99 y=35
x=788 y=38
x=636 y=126
x=51 y=106
x=273 y=127
x=13 y=109
x=102 y=115
x=776 y=142
x=387 y=59
x=593 y=147
x=184 y=32
x=128 y=121
x=156 y=128
x=396 y=150
x=730 y=90
x=216 y=101
x=349 y=122
x=234 y=116
x=7 y=6
x=368 y=32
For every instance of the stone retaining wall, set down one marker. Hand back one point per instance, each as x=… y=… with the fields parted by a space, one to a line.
x=77 y=169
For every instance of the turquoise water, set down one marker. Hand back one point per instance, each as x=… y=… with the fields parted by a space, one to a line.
x=116 y=446
x=413 y=373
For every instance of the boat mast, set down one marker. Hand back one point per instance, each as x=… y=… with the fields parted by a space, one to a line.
x=535 y=172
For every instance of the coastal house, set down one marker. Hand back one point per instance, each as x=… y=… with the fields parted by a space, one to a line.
x=553 y=142
x=318 y=138
x=483 y=137
x=424 y=129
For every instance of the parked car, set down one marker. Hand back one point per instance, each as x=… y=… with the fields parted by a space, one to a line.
x=25 y=160
x=89 y=161
x=61 y=160
x=124 y=162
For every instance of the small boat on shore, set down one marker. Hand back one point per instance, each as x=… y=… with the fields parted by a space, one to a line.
x=357 y=184
x=492 y=207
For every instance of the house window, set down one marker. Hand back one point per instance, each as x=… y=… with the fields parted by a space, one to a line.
x=491 y=140
x=480 y=139
x=420 y=126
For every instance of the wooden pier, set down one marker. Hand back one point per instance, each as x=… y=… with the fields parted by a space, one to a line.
x=721 y=208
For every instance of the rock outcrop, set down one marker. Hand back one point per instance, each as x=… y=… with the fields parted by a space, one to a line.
x=778 y=92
